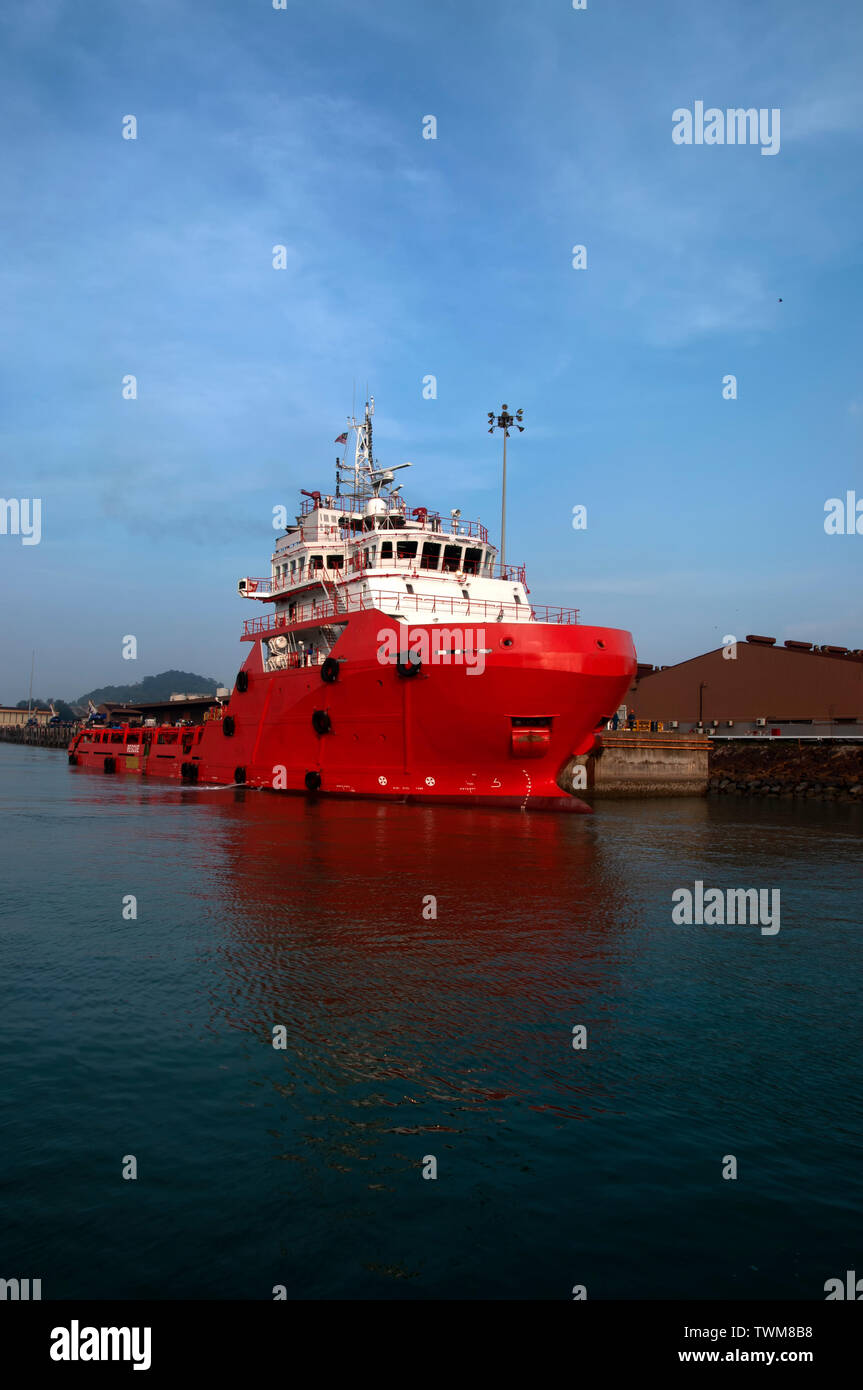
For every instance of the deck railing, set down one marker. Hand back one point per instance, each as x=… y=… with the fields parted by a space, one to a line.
x=352 y=504
x=407 y=605
x=259 y=586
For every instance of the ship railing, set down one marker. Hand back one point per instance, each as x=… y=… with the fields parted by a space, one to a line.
x=348 y=503
x=351 y=504
x=516 y=573
x=446 y=526
x=400 y=604
x=356 y=564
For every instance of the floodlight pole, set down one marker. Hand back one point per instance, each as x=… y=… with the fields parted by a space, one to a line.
x=504 y=421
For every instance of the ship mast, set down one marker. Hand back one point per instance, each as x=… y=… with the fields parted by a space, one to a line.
x=363 y=464
x=367 y=481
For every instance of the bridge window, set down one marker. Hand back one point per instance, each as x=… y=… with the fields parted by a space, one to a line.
x=386 y=550
x=451 y=558
x=335 y=562
x=406 y=550
x=472 y=561
x=430 y=556
x=316 y=562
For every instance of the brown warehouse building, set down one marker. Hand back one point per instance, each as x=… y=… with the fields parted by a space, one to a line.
x=756 y=686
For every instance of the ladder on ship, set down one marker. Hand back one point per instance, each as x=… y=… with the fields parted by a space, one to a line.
x=329 y=634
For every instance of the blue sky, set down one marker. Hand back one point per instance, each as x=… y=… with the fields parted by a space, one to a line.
x=409 y=257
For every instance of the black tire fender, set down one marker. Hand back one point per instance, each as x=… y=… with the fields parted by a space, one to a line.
x=408 y=664
x=321 y=722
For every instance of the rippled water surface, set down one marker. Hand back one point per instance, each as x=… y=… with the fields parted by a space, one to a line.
x=409 y=1037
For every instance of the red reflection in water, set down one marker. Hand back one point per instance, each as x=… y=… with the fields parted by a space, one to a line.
x=322 y=905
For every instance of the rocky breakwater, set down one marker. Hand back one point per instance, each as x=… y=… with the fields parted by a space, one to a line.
x=807 y=771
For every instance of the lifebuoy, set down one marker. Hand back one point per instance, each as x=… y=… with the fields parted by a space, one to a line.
x=242 y=681
x=330 y=670
x=228 y=726
x=313 y=781
x=408 y=664
x=321 y=722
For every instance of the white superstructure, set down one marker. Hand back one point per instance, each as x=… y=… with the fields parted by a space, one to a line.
x=365 y=549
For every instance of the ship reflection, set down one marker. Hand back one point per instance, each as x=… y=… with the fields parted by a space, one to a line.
x=425 y=962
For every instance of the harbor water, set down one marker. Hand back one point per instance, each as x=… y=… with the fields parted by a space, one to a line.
x=426 y=1127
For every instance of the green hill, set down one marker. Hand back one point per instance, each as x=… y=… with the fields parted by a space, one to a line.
x=152 y=688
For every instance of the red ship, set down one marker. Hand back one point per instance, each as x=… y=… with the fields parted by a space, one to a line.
x=397 y=658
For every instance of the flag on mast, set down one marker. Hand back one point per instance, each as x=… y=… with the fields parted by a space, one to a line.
x=342 y=439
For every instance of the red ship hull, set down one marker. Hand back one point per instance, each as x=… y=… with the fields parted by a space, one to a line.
x=498 y=733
